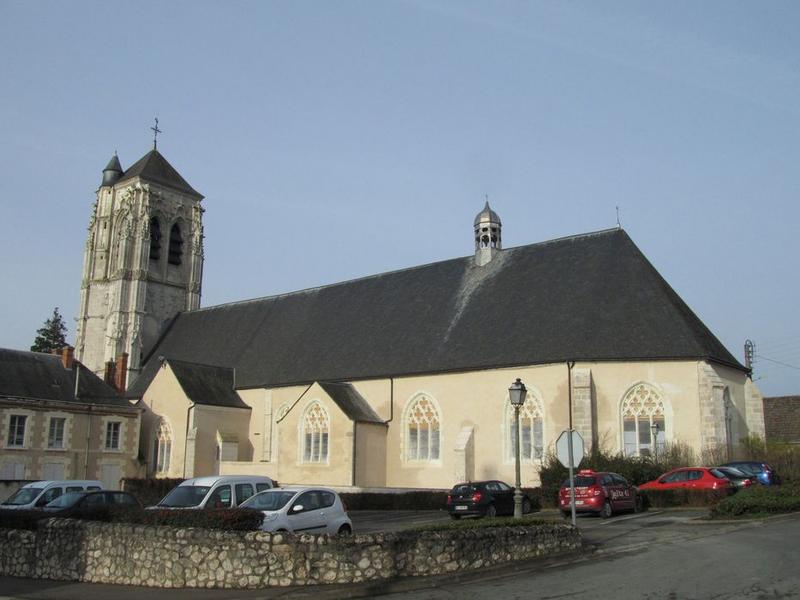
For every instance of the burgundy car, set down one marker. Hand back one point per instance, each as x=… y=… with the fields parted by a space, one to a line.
x=599 y=492
x=690 y=478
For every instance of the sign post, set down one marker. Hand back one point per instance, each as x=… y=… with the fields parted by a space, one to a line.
x=569 y=451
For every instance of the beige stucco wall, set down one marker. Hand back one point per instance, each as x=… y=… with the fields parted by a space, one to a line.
x=370 y=463
x=84 y=433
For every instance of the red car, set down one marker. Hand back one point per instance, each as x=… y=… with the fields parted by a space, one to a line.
x=691 y=478
x=599 y=492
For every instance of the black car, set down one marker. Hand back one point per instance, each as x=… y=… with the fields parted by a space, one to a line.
x=483 y=498
x=738 y=478
x=87 y=503
x=763 y=472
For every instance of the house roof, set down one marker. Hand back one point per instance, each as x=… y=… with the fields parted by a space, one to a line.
x=203 y=384
x=782 y=418
x=155 y=168
x=37 y=376
x=350 y=402
x=587 y=297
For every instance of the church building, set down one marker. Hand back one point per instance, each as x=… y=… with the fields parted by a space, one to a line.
x=401 y=379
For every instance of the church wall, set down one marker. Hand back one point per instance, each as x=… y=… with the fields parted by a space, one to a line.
x=210 y=421
x=165 y=399
x=370 y=462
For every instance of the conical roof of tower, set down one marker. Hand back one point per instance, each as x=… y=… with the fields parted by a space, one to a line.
x=113 y=164
x=487 y=214
x=154 y=167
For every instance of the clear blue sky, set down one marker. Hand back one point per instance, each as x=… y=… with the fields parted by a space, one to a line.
x=334 y=140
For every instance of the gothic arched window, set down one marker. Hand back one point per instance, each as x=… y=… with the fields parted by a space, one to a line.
x=422 y=425
x=163 y=448
x=531 y=430
x=175 y=245
x=316 y=427
x=155 y=239
x=643 y=421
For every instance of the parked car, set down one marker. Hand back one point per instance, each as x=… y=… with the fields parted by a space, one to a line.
x=223 y=491
x=40 y=493
x=483 y=498
x=764 y=473
x=301 y=509
x=700 y=478
x=738 y=478
x=599 y=492
x=87 y=503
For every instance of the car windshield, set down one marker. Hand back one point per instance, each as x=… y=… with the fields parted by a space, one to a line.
x=272 y=500
x=66 y=500
x=185 y=496
x=581 y=481
x=23 y=496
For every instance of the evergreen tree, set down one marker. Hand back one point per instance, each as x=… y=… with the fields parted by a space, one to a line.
x=52 y=336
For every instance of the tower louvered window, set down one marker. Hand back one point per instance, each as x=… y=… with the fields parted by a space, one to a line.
x=155 y=239
x=175 y=245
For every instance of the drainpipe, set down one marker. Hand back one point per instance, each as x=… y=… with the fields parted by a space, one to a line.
x=353 y=477
x=186 y=439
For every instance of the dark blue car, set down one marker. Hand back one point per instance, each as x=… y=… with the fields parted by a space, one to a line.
x=765 y=474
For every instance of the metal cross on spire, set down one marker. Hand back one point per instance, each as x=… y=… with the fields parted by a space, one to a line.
x=155 y=131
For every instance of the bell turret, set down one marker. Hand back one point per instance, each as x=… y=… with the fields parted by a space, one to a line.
x=488 y=241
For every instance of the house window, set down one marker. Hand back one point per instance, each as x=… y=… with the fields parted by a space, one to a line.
x=16 y=431
x=163 y=448
x=155 y=239
x=422 y=430
x=112 y=435
x=531 y=430
x=643 y=411
x=175 y=245
x=316 y=426
x=55 y=435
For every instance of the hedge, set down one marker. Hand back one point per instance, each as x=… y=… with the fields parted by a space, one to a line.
x=689 y=498
x=759 y=500
x=237 y=519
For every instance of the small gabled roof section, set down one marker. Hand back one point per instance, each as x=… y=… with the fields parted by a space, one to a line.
x=207 y=384
x=351 y=402
x=155 y=168
x=38 y=376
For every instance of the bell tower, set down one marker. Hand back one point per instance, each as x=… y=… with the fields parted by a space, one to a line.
x=487 y=235
x=143 y=261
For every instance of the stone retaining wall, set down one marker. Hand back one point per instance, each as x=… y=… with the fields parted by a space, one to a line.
x=169 y=557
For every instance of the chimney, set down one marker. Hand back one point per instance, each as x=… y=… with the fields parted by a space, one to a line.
x=122 y=372
x=110 y=374
x=67 y=356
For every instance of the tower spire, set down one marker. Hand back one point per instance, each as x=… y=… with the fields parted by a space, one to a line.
x=155 y=131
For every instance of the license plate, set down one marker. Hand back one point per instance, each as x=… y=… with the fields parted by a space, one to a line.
x=578 y=502
x=461 y=508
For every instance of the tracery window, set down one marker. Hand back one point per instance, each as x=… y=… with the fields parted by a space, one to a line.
x=422 y=426
x=163 y=448
x=175 y=245
x=316 y=427
x=155 y=239
x=531 y=430
x=642 y=411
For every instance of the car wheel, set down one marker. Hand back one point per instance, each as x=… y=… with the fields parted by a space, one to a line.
x=345 y=530
x=526 y=506
x=606 y=512
x=491 y=511
x=455 y=517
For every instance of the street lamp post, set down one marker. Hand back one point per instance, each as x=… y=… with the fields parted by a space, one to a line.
x=654 y=432
x=517 y=393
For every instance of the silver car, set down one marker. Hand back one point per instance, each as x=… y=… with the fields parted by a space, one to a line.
x=301 y=510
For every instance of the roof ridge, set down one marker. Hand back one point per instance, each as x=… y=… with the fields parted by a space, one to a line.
x=401 y=270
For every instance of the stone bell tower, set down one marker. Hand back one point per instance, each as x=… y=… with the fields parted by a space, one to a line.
x=143 y=261
x=487 y=235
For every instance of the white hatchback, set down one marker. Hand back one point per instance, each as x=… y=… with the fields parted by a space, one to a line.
x=301 y=510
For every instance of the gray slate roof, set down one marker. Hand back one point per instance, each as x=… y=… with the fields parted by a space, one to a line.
x=154 y=167
x=38 y=376
x=351 y=402
x=587 y=297
x=203 y=384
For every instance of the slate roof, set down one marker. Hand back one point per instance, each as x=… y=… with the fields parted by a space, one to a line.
x=154 y=167
x=587 y=297
x=37 y=376
x=351 y=402
x=782 y=418
x=203 y=384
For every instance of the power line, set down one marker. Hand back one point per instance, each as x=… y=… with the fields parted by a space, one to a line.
x=777 y=362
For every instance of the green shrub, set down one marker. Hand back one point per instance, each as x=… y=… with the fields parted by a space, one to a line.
x=150 y=491
x=759 y=500
x=781 y=456
x=692 y=498
x=525 y=521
